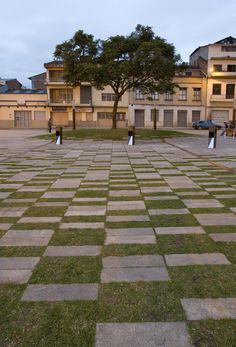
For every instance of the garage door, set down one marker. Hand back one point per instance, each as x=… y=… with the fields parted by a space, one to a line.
x=182 y=119
x=168 y=118
x=22 y=119
x=220 y=117
x=139 y=118
x=59 y=118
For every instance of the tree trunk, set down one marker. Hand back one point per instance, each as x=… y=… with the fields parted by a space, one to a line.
x=155 y=118
x=114 y=112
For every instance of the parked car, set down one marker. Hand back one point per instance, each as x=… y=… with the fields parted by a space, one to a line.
x=204 y=124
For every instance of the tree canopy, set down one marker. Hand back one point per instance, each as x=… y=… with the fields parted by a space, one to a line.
x=141 y=60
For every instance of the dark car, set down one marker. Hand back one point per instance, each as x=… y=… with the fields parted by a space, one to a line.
x=204 y=124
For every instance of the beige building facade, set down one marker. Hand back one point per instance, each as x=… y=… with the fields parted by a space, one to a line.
x=206 y=90
x=180 y=109
x=22 y=109
x=92 y=107
x=218 y=62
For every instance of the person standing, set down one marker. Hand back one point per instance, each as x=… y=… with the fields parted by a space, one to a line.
x=50 y=125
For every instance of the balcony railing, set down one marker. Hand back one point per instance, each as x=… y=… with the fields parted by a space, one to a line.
x=222 y=97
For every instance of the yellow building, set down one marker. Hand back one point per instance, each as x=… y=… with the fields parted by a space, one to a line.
x=92 y=107
x=23 y=108
x=218 y=61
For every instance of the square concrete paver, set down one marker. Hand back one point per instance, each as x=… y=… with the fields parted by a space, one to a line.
x=179 y=230
x=125 y=193
x=12 y=211
x=142 y=335
x=128 y=218
x=60 y=292
x=18 y=263
x=58 y=195
x=26 y=237
x=202 y=203
x=72 y=251
x=39 y=220
x=126 y=205
x=166 y=211
x=15 y=276
x=82 y=225
x=224 y=237
x=199 y=309
x=134 y=274
x=196 y=259
x=133 y=261
x=129 y=236
x=66 y=183
x=216 y=218
x=86 y=211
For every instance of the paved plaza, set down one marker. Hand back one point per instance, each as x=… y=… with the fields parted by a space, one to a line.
x=104 y=244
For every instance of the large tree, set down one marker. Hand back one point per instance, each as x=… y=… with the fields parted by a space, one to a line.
x=140 y=60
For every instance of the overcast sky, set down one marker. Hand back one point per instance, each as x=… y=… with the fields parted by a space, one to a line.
x=31 y=29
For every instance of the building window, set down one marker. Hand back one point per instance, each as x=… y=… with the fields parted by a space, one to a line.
x=120 y=116
x=66 y=96
x=56 y=76
x=168 y=96
x=86 y=95
x=231 y=68
x=109 y=97
x=230 y=91
x=217 y=67
x=155 y=96
x=138 y=95
x=182 y=93
x=196 y=94
x=152 y=115
x=228 y=48
x=216 y=89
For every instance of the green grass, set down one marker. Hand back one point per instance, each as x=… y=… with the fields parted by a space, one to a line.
x=173 y=220
x=23 y=251
x=45 y=324
x=115 y=135
x=78 y=237
x=52 y=211
x=213 y=333
x=204 y=281
x=138 y=302
x=67 y=270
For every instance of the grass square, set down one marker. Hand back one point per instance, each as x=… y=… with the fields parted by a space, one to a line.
x=203 y=281
x=45 y=324
x=67 y=270
x=78 y=237
x=138 y=302
x=173 y=220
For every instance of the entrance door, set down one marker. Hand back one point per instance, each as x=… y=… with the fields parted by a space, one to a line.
x=59 y=118
x=182 y=119
x=139 y=118
x=22 y=119
x=220 y=117
x=168 y=118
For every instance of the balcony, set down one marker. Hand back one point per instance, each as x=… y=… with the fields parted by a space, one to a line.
x=59 y=102
x=222 y=98
x=223 y=73
x=55 y=81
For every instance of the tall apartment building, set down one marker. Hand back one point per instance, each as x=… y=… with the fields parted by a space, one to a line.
x=218 y=62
